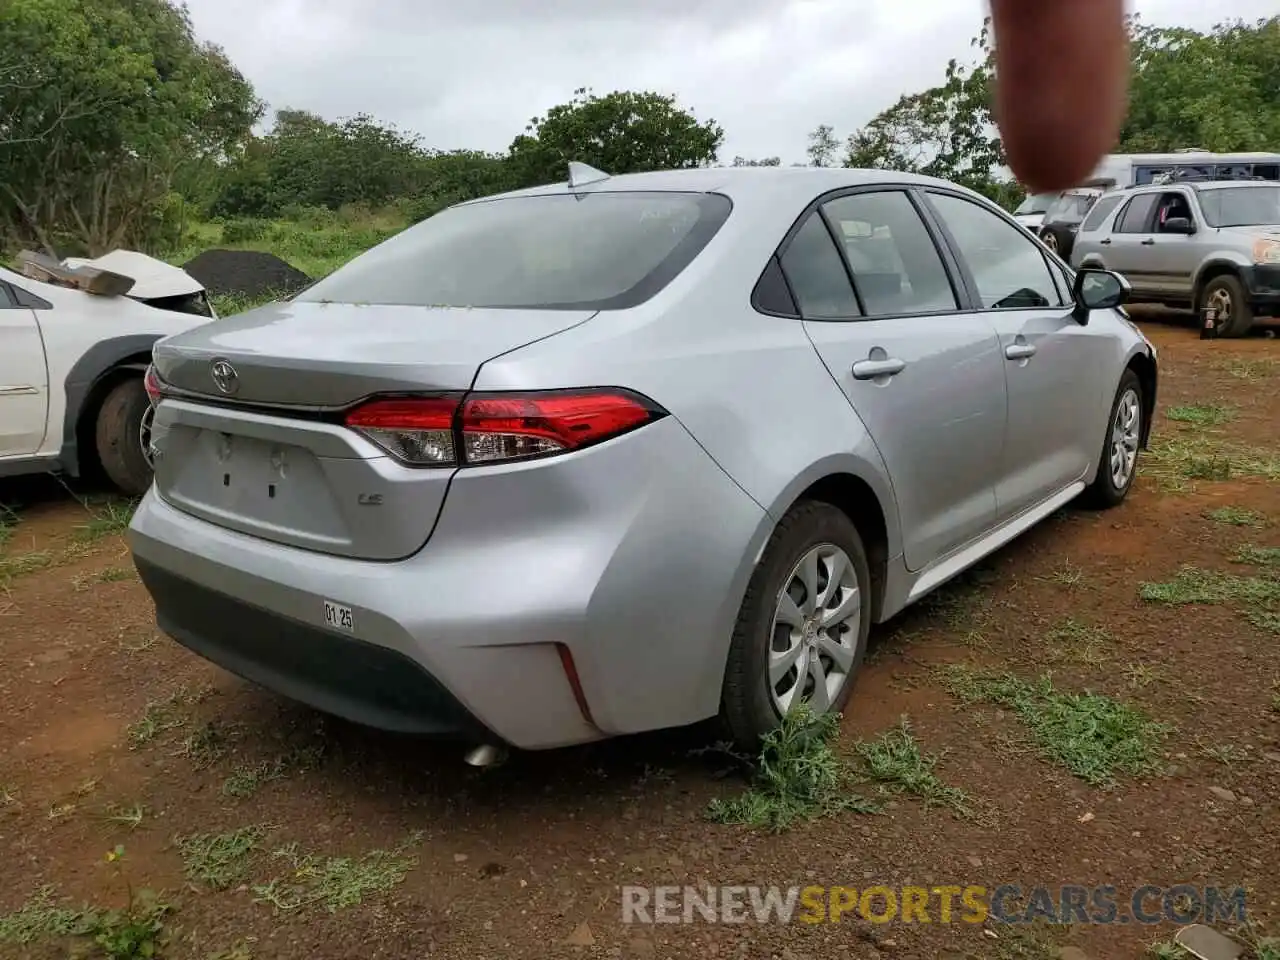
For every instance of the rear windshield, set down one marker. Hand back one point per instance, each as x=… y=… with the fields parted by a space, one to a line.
x=1036 y=203
x=1241 y=206
x=593 y=251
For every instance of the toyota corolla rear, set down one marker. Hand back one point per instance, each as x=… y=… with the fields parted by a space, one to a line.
x=338 y=516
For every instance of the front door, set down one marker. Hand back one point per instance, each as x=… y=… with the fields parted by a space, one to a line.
x=24 y=394
x=1052 y=364
x=925 y=378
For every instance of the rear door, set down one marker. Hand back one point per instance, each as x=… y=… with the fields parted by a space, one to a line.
x=24 y=379
x=881 y=307
x=1052 y=365
x=1127 y=250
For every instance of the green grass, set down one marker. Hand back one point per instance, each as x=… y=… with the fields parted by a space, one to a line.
x=163 y=715
x=23 y=564
x=797 y=777
x=133 y=933
x=316 y=241
x=334 y=883
x=8 y=523
x=1093 y=736
x=1195 y=586
x=1177 y=462
x=1251 y=371
x=246 y=781
x=41 y=919
x=112 y=519
x=896 y=762
x=1202 y=415
x=1237 y=517
x=1258 y=556
x=219 y=860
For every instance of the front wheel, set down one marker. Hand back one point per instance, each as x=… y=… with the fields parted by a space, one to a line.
x=802 y=629
x=1119 y=462
x=120 y=434
x=1226 y=295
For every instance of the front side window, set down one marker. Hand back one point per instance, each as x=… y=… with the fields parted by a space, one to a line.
x=893 y=259
x=1135 y=216
x=591 y=251
x=816 y=274
x=1009 y=268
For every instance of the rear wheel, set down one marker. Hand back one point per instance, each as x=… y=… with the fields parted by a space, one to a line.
x=1119 y=462
x=1226 y=295
x=120 y=437
x=802 y=630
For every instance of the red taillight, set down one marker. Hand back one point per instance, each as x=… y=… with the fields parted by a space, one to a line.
x=415 y=430
x=153 y=384
x=490 y=428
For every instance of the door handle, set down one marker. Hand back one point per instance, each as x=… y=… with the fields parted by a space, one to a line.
x=870 y=369
x=1019 y=351
x=1148 y=243
x=1105 y=243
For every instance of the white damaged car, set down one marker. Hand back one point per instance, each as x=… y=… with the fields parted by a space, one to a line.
x=75 y=342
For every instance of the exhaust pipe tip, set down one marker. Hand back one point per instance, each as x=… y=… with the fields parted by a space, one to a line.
x=485 y=755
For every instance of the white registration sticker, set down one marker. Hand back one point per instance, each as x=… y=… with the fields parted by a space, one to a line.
x=338 y=617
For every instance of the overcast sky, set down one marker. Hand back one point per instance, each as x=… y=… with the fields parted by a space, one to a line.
x=470 y=73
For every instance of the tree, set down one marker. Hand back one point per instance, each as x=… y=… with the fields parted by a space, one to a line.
x=823 y=146
x=946 y=131
x=1219 y=91
x=104 y=103
x=621 y=132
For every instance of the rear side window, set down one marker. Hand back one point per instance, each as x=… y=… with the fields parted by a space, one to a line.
x=817 y=275
x=1137 y=213
x=592 y=251
x=1101 y=210
x=894 y=261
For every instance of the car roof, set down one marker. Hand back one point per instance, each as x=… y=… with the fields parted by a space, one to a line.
x=741 y=182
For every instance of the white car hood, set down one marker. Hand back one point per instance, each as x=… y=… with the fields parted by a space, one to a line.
x=152 y=279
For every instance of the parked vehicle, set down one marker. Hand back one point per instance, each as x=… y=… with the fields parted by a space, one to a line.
x=628 y=452
x=1063 y=219
x=1192 y=244
x=1120 y=170
x=1030 y=212
x=72 y=361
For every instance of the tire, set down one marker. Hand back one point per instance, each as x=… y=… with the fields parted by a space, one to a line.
x=118 y=437
x=1105 y=493
x=1229 y=290
x=749 y=705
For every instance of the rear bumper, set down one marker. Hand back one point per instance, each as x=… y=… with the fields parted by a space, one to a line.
x=361 y=681
x=633 y=555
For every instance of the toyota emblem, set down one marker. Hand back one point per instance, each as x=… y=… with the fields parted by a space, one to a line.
x=225 y=377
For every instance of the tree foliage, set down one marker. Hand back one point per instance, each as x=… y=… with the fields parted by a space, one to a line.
x=102 y=105
x=1218 y=90
x=622 y=132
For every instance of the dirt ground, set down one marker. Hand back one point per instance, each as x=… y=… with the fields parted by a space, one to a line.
x=113 y=735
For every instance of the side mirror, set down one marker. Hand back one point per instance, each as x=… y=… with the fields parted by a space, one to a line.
x=1178 y=225
x=1098 y=290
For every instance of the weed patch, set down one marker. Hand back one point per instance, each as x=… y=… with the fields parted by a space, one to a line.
x=110 y=520
x=219 y=860
x=1176 y=462
x=1258 y=556
x=1258 y=596
x=335 y=883
x=246 y=781
x=1237 y=517
x=797 y=777
x=1202 y=415
x=1092 y=736
x=896 y=762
